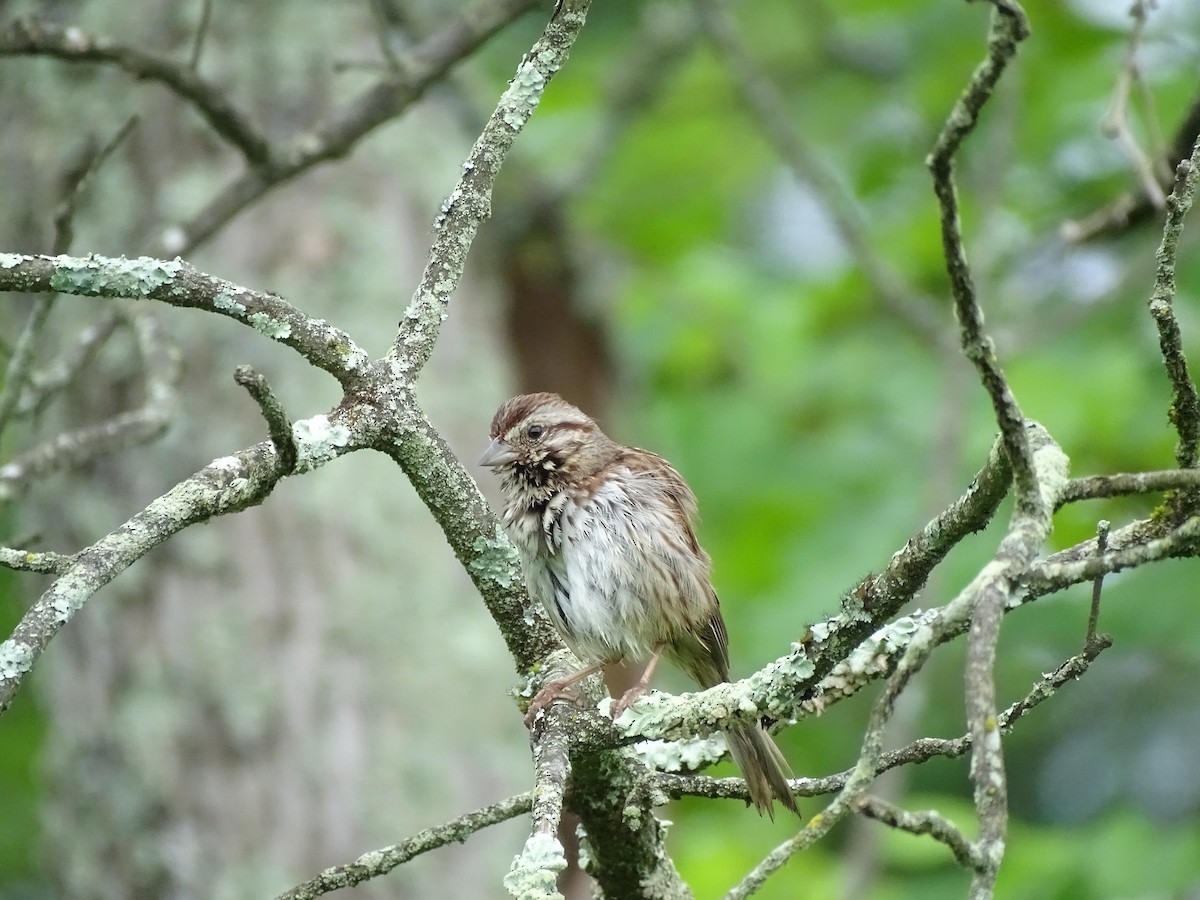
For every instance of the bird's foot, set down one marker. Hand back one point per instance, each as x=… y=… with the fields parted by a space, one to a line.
x=627 y=700
x=551 y=691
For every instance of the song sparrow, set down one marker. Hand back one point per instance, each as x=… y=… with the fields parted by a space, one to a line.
x=607 y=546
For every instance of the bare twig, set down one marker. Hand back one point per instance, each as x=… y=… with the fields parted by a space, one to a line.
x=64 y=215
x=45 y=384
x=1097 y=585
x=201 y=34
x=380 y=862
x=72 y=44
x=1115 y=123
x=771 y=112
x=17 y=373
x=928 y=822
x=160 y=363
x=278 y=424
x=425 y=64
x=1009 y=28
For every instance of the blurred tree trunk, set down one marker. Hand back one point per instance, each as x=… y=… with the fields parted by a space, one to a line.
x=276 y=692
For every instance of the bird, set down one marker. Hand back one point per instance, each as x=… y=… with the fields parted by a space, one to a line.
x=606 y=537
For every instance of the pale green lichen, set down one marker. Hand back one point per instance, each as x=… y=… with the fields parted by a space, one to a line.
x=318 y=441
x=586 y=857
x=16 y=658
x=270 y=326
x=495 y=559
x=534 y=874
x=525 y=91
x=685 y=755
x=96 y=276
x=225 y=301
x=768 y=692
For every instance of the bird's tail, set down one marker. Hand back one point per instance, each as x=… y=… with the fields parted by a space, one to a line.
x=763 y=766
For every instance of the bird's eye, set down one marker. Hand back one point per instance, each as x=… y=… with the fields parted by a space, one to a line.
x=535 y=431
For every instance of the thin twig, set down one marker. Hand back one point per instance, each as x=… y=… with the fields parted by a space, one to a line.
x=72 y=44
x=1009 y=28
x=64 y=215
x=1096 y=487
x=332 y=139
x=928 y=822
x=278 y=424
x=1081 y=563
x=380 y=862
x=201 y=34
x=770 y=109
x=1115 y=123
x=45 y=562
x=47 y=383
x=161 y=369
x=18 y=370
x=1097 y=585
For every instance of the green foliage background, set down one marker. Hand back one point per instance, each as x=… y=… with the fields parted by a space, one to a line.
x=819 y=432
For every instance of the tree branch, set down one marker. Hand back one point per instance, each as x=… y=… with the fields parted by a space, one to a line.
x=73 y=44
x=160 y=364
x=1008 y=28
x=471 y=200
x=769 y=108
x=226 y=485
x=428 y=62
x=380 y=862
x=1185 y=405
x=178 y=283
x=278 y=424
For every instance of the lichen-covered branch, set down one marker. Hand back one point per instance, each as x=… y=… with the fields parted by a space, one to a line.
x=178 y=283
x=473 y=531
x=380 y=862
x=44 y=562
x=929 y=822
x=1185 y=405
x=471 y=200
x=1129 y=547
x=279 y=426
x=226 y=485
x=534 y=872
x=919 y=751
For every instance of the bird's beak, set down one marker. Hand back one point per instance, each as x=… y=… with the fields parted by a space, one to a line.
x=498 y=453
